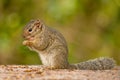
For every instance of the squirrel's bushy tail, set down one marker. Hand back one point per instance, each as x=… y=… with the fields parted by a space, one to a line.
x=101 y=63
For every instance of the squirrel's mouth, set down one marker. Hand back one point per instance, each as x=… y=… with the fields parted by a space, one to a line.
x=28 y=37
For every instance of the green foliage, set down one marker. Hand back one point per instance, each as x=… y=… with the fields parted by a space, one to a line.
x=91 y=28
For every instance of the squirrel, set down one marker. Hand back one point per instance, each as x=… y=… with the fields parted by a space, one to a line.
x=53 y=51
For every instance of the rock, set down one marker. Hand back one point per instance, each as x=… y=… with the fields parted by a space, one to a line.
x=36 y=72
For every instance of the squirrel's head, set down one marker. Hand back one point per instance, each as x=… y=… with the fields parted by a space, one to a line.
x=32 y=28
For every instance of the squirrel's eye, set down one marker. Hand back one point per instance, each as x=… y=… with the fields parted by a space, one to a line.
x=30 y=30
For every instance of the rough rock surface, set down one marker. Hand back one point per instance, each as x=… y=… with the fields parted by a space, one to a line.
x=37 y=72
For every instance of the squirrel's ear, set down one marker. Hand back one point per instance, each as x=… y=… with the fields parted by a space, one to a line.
x=40 y=24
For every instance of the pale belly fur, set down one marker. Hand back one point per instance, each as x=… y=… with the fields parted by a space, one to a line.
x=47 y=59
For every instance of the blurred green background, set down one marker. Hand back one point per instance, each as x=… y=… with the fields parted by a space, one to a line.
x=91 y=28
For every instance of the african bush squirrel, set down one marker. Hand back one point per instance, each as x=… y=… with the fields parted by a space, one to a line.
x=53 y=51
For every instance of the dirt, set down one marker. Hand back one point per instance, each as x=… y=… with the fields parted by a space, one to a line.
x=38 y=72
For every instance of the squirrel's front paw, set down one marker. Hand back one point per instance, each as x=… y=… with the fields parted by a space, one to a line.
x=27 y=43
